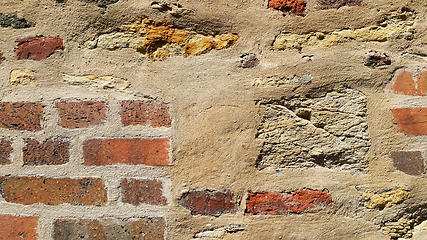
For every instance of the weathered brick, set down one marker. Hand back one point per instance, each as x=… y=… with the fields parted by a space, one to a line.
x=328 y=4
x=146 y=191
x=143 y=228
x=81 y=114
x=410 y=121
x=294 y=6
x=249 y=60
x=37 y=48
x=284 y=203
x=148 y=113
x=377 y=59
x=405 y=83
x=153 y=152
x=18 y=227
x=409 y=162
x=5 y=151
x=54 y=191
x=21 y=116
x=211 y=203
x=52 y=152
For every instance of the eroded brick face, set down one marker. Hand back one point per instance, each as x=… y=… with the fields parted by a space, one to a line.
x=5 y=151
x=266 y=203
x=143 y=228
x=18 y=227
x=81 y=114
x=54 y=191
x=328 y=4
x=294 y=6
x=153 y=152
x=410 y=121
x=146 y=191
x=211 y=203
x=409 y=162
x=37 y=48
x=21 y=116
x=147 y=113
x=405 y=83
x=52 y=152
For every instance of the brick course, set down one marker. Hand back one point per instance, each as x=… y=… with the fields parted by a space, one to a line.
x=410 y=121
x=37 y=48
x=5 y=151
x=211 y=203
x=18 y=227
x=21 y=116
x=54 y=191
x=153 y=152
x=146 y=191
x=81 y=114
x=52 y=152
x=147 y=113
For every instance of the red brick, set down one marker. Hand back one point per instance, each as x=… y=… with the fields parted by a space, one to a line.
x=211 y=203
x=5 y=151
x=54 y=191
x=1 y=58
x=152 y=152
x=21 y=116
x=405 y=83
x=146 y=191
x=328 y=4
x=103 y=229
x=81 y=114
x=37 y=48
x=52 y=152
x=147 y=113
x=294 y=6
x=410 y=121
x=18 y=227
x=284 y=203
x=409 y=162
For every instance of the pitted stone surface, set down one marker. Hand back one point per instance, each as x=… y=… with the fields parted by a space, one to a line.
x=329 y=131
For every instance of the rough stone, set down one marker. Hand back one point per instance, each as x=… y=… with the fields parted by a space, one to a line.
x=52 y=152
x=54 y=191
x=329 y=131
x=110 y=228
x=377 y=59
x=400 y=229
x=21 y=116
x=21 y=76
x=174 y=9
x=328 y=4
x=249 y=60
x=5 y=151
x=276 y=81
x=262 y=203
x=146 y=191
x=210 y=203
x=95 y=83
x=220 y=232
x=2 y=58
x=37 y=48
x=410 y=121
x=18 y=227
x=403 y=82
x=12 y=20
x=294 y=6
x=152 y=152
x=101 y=3
x=384 y=199
x=147 y=113
x=81 y=114
x=409 y=162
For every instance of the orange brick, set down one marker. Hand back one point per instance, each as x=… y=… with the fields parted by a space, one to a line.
x=18 y=227
x=411 y=121
x=147 y=113
x=405 y=83
x=153 y=152
x=21 y=116
x=54 y=191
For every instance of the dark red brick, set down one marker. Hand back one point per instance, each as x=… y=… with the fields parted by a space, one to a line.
x=146 y=191
x=147 y=113
x=5 y=151
x=211 y=203
x=81 y=114
x=54 y=191
x=284 y=203
x=100 y=229
x=328 y=4
x=52 y=152
x=411 y=121
x=405 y=83
x=37 y=48
x=294 y=6
x=21 y=116
x=153 y=152
x=18 y=227
x=409 y=162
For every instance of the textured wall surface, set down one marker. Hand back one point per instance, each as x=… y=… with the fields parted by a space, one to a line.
x=245 y=119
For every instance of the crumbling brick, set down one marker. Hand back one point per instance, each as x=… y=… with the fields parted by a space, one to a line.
x=81 y=114
x=405 y=83
x=211 y=203
x=294 y=6
x=409 y=162
x=52 y=152
x=37 y=48
x=147 y=113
